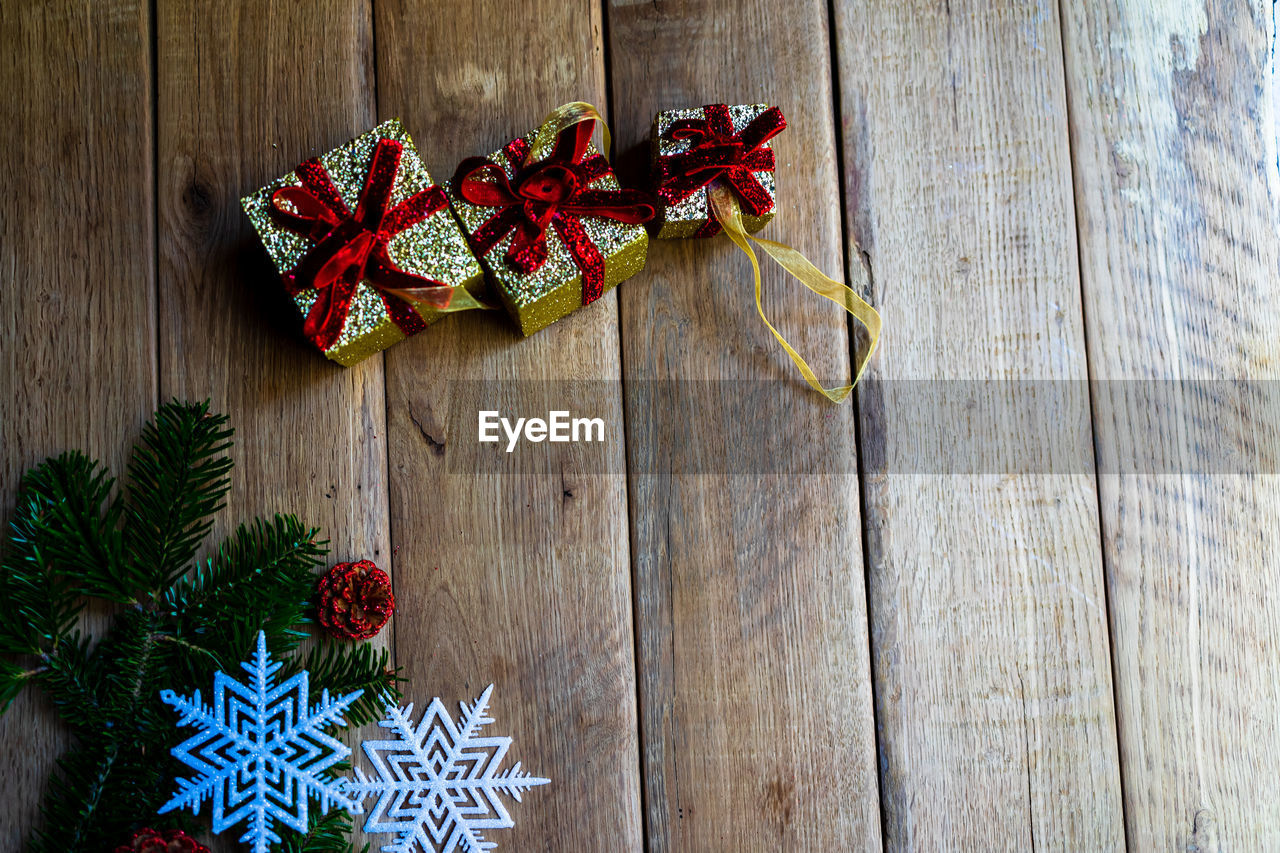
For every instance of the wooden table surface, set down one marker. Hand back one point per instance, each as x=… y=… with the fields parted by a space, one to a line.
x=749 y=620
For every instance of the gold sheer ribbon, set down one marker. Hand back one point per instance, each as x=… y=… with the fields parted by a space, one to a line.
x=424 y=297
x=562 y=117
x=724 y=206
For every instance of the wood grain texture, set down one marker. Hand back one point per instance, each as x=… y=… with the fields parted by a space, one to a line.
x=993 y=680
x=242 y=101
x=513 y=569
x=77 y=282
x=743 y=525
x=1174 y=141
x=755 y=697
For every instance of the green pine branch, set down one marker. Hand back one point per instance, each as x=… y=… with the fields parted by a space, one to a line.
x=72 y=682
x=74 y=520
x=177 y=481
x=265 y=572
x=59 y=537
x=73 y=536
x=345 y=668
x=96 y=796
x=327 y=833
x=13 y=678
x=73 y=797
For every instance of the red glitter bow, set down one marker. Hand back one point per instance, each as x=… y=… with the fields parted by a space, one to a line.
x=715 y=151
x=552 y=192
x=351 y=247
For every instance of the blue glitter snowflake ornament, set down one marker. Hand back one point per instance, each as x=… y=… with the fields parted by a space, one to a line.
x=438 y=783
x=261 y=751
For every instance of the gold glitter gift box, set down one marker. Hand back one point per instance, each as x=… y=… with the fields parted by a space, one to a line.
x=555 y=233
x=365 y=244
x=691 y=148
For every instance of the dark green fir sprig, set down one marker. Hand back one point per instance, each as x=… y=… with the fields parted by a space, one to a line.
x=75 y=537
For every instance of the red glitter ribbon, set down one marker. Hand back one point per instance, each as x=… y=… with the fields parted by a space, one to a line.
x=351 y=247
x=554 y=192
x=717 y=152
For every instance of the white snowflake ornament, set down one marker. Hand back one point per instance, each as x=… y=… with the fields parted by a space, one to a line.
x=261 y=751
x=438 y=783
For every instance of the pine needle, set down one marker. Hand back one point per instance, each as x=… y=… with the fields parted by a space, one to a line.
x=72 y=535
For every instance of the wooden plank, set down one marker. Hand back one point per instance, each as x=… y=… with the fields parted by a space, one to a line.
x=242 y=99
x=1173 y=111
x=989 y=625
x=77 y=282
x=755 y=692
x=513 y=569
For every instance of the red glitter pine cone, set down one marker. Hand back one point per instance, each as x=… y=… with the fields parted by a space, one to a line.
x=355 y=600
x=147 y=840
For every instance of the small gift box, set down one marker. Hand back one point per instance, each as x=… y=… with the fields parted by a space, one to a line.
x=694 y=147
x=713 y=172
x=555 y=232
x=365 y=244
